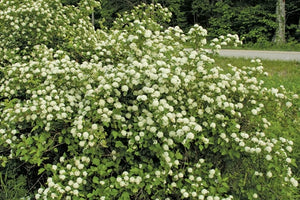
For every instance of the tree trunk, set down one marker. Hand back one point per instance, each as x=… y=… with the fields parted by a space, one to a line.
x=280 y=13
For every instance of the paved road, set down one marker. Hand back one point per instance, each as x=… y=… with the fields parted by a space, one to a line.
x=266 y=55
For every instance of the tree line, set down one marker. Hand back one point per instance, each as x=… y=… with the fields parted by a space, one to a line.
x=263 y=21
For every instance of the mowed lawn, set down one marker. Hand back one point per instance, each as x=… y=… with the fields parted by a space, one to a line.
x=286 y=73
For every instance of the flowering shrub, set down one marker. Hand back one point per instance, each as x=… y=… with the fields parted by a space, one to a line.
x=130 y=113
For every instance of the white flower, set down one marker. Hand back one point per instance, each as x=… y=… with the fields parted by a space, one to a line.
x=54 y=167
x=80 y=166
x=198 y=128
x=294 y=182
x=69 y=166
x=288 y=104
x=160 y=134
x=254 y=111
x=289 y=148
x=84 y=173
x=75 y=192
x=8 y=141
x=269 y=174
x=148 y=33
x=268 y=149
x=67 y=188
x=180 y=175
x=49 y=117
x=185 y=195
x=223 y=135
x=175 y=80
x=85 y=135
x=137 y=138
x=124 y=88
x=210 y=198
x=75 y=185
x=242 y=144
x=82 y=143
x=268 y=157
x=191 y=177
x=70 y=183
x=142 y=98
x=190 y=136
x=205 y=140
x=201 y=197
x=255 y=196
x=94 y=126
x=77 y=173
x=157 y=173
x=176 y=162
x=213 y=125
x=204 y=191
x=62 y=177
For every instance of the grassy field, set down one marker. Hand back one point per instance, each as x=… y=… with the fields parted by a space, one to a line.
x=286 y=73
x=269 y=47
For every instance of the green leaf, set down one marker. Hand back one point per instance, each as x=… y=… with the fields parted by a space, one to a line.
x=35 y=128
x=124 y=196
x=178 y=155
x=29 y=141
x=115 y=134
x=119 y=144
x=96 y=161
x=258 y=187
x=95 y=179
x=41 y=170
x=67 y=141
x=60 y=139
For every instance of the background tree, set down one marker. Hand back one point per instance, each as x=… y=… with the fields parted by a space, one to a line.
x=280 y=17
x=292 y=9
x=256 y=21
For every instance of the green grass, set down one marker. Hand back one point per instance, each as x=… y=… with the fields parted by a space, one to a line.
x=291 y=45
x=286 y=73
x=295 y=47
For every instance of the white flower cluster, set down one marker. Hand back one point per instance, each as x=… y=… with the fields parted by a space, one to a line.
x=197 y=36
x=71 y=178
x=229 y=39
x=43 y=22
x=141 y=115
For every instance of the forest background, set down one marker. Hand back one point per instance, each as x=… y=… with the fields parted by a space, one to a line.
x=256 y=22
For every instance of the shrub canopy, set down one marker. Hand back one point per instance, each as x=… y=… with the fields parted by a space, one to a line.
x=130 y=112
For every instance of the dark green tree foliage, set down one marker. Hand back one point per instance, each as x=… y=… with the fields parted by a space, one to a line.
x=293 y=19
x=255 y=24
x=176 y=7
x=253 y=20
x=201 y=11
x=111 y=9
x=222 y=19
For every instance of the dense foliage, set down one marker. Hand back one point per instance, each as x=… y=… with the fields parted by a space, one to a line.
x=254 y=21
x=129 y=112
